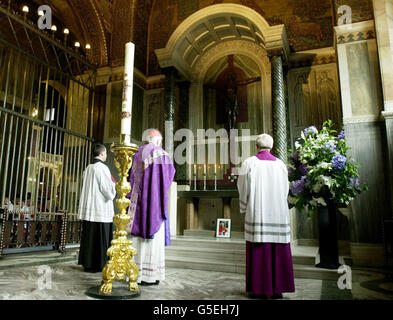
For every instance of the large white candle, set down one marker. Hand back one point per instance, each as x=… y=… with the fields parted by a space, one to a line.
x=126 y=107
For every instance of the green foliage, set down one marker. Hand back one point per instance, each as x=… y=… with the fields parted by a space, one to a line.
x=321 y=171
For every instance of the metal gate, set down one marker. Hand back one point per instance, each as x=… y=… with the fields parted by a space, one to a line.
x=46 y=105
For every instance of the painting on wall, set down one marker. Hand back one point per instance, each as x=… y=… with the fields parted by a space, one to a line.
x=309 y=24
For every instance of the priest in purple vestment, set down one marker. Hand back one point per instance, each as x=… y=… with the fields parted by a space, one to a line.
x=150 y=177
x=263 y=190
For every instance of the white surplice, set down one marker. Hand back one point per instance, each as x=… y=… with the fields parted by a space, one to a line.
x=98 y=192
x=263 y=190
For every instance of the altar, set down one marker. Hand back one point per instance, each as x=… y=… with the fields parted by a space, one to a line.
x=192 y=203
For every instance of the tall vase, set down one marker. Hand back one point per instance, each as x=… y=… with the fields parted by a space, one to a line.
x=328 y=242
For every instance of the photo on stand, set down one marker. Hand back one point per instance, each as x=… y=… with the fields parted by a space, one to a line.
x=223 y=228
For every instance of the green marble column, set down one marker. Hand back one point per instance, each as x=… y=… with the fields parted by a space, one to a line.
x=170 y=107
x=279 y=109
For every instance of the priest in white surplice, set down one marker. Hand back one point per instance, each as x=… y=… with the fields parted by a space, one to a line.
x=96 y=210
x=263 y=190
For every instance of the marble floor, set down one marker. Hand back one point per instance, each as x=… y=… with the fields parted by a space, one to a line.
x=36 y=277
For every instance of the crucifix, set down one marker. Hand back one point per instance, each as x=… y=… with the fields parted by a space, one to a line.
x=231 y=95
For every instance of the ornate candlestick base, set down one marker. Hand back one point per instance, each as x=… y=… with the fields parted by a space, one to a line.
x=120 y=253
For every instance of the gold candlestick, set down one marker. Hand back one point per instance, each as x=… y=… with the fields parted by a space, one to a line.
x=120 y=253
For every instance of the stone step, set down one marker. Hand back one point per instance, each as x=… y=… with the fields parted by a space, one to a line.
x=299 y=255
x=211 y=254
x=300 y=271
x=211 y=234
x=203 y=242
x=205 y=264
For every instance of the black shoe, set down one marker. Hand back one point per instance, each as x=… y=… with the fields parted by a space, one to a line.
x=276 y=296
x=143 y=283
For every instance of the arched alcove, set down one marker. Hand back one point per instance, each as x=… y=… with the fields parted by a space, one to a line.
x=213 y=33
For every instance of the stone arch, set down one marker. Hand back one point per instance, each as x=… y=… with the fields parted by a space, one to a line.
x=246 y=24
x=251 y=36
x=246 y=48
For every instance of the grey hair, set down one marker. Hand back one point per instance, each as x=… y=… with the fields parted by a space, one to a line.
x=264 y=141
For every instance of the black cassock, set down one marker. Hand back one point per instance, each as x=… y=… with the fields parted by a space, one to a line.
x=95 y=241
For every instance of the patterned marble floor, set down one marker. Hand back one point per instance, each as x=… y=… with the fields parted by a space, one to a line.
x=65 y=280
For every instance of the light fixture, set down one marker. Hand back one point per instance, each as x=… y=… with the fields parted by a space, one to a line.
x=25 y=9
x=34 y=113
x=77 y=44
x=66 y=31
x=40 y=13
x=53 y=28
x=88 y=46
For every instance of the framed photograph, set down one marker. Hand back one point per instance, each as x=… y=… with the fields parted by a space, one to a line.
x=223 y=228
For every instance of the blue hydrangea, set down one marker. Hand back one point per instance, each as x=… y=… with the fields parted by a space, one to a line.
x=310 y=130
x=330 y=146
x=338 y=162
x=303 y=169
x=341 y=135
x=298 y=186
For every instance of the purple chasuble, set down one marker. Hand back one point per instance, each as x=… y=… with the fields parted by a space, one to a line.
x=152 y=174
x=269 y=267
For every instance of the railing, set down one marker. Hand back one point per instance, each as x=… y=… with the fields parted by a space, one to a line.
x=21 y=232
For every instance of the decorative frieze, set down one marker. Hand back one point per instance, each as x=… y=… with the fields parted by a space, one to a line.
x=356 y=36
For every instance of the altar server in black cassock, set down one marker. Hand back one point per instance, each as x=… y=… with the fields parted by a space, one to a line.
x=96 y=211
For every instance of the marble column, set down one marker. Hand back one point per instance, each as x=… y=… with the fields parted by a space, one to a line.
x=170 y=106
x=169 y=117
x=279 y=109
x=362 y=103
x=383 y=13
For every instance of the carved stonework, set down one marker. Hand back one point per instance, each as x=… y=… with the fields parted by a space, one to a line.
x=356 y=36
x=327 y=97
x=155 y=109
x=313 y=97
x=316 y=61
x=230 y=47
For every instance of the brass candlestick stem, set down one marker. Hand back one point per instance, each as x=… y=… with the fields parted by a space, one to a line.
x=120 y=252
